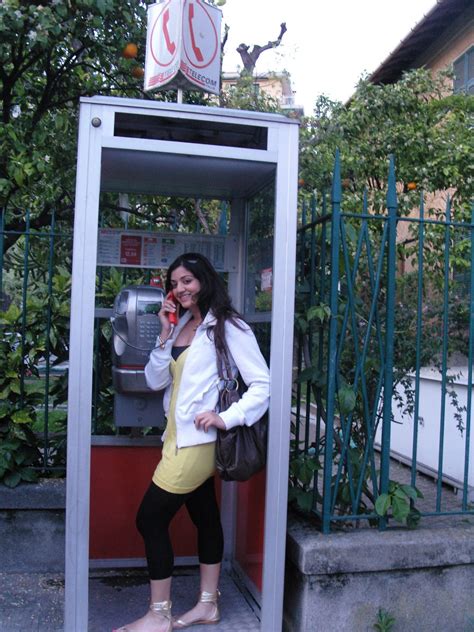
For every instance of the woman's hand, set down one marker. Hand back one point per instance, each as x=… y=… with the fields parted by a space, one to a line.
x=203 y=421
x=167 y=307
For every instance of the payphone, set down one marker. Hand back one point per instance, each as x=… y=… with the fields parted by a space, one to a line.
x=136 y=326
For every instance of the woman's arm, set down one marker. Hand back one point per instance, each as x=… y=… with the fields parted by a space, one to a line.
x=253 y=369
x=157 y=369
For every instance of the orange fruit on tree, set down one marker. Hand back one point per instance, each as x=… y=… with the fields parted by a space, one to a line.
x=138 y=72
x=130 y=51
x=411 y=186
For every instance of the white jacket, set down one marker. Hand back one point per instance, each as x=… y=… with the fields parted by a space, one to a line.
x=198 y=390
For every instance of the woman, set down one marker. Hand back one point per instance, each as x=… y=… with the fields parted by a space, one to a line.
x=184 y=363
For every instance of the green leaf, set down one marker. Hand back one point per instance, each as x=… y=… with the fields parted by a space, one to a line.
x=10 y=445
x=19 y=178
x=35 y=387
x=304 y=500
x=21 y=417
x=321 y=312
x=413 y=518
x=399 y=493
x=52 y=337
x=347 y=400
x=306 y=473
x=20 y=457
x=400 y=509
x=307 y=375
x=382 y=504
x=15 y=388
x=29 y=475
x=5 y=392
x=12 y=479
x=4 y=410
x=409 y=491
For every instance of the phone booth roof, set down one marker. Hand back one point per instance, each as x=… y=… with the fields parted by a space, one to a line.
x=225 y=170
x=144 y=146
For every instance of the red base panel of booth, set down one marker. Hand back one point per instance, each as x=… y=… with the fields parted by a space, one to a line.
x=119 y=477
x=250 y=527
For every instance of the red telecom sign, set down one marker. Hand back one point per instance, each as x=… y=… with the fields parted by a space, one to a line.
x=183 y=45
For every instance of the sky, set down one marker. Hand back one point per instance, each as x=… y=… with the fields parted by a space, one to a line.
x=328 y=45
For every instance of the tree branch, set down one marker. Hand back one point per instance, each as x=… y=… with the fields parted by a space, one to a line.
x=250 y=59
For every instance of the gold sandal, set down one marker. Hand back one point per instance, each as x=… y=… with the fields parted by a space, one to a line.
x=164 y=609
x=204 y=597
x=158 y=607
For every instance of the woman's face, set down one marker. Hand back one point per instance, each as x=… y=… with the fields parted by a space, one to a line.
x=185 y=287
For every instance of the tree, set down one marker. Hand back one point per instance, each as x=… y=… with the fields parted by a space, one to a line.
x=429 y=133
x=249 y=59
x=427 y=129
x=52 y=54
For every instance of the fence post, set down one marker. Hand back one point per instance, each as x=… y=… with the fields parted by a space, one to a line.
x=52 y=235
x=2 y=231
x=332 y=344
x=469 y=379
x=389 y=332
x=24 y=295
x=419 y=329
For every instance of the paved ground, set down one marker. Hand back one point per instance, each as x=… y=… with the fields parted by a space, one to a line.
x=34 y=603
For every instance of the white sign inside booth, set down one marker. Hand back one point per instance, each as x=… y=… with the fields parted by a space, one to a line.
x=146 y=249
x=183 y=46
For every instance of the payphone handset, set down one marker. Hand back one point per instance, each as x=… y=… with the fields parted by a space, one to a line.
x=135 y=324
x=173 y=316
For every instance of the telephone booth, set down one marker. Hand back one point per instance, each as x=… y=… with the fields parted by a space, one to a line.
x=248 y=160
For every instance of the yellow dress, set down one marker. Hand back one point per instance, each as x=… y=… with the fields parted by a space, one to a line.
x=182 y=470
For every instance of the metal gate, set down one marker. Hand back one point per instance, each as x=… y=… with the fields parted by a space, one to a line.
x=367 y=333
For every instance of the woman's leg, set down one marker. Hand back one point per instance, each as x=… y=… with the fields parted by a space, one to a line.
x=156 y=511
x=210 y=574
x=204 y=511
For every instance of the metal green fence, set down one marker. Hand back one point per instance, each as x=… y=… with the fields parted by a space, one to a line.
x=376 y=346
x=34 y=325
x=383 y=389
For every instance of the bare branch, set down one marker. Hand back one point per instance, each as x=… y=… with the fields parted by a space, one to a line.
x=224 y=40
x=250 y=59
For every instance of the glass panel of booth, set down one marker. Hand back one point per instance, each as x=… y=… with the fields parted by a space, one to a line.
x=136 y=250
x=250 y=512
x=259 y=264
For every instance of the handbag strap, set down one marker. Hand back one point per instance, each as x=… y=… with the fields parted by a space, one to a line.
x=223 y=368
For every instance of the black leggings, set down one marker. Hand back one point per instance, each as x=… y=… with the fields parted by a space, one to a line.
x=156 y=511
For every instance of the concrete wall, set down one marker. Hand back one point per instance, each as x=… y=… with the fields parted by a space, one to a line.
x=424 y=578
x=32 y=527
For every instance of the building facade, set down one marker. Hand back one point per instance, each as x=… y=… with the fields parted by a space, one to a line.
x=276 y=85
x=443 y=39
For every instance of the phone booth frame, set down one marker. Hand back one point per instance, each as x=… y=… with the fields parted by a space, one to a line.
x=279 y=156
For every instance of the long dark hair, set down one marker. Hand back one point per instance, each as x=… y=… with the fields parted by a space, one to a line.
x=212 y=295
